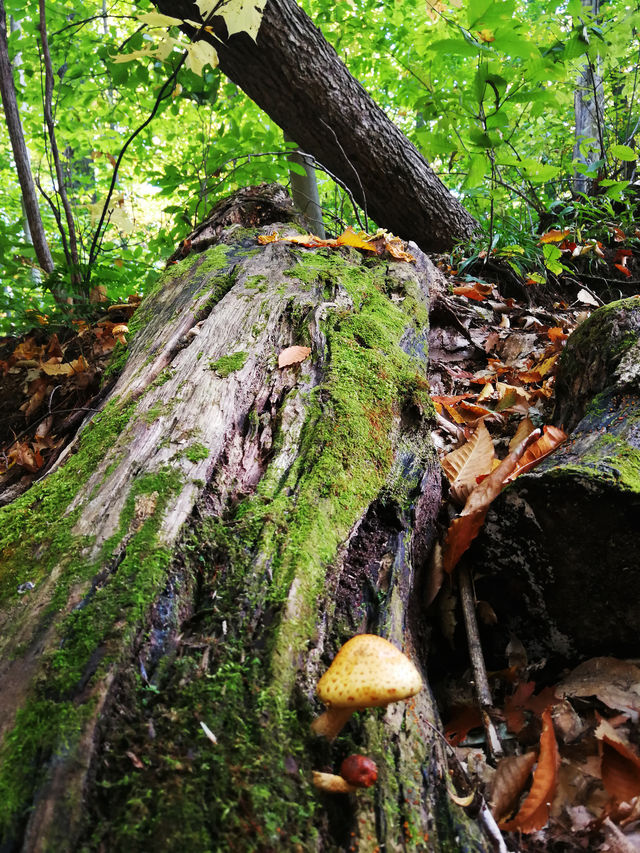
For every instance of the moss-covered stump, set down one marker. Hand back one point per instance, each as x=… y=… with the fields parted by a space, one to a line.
x=214 y=535
x=560 y=555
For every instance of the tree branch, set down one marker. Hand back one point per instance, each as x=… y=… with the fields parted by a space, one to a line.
x=20 y=153
x=72 y=253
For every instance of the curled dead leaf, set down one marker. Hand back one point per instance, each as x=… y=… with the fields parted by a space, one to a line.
x=534 y=812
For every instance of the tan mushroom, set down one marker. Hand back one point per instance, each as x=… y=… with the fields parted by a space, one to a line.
x=119 y=331
x=332 y=784
x=367 y=672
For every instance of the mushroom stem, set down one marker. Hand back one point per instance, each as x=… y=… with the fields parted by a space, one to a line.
x=331 y=722
x=331 y=783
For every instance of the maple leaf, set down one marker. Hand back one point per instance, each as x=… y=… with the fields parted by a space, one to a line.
x=239 y=15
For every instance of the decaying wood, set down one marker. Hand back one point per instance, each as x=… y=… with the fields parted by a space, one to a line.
x=559 y=559
x=158 y=681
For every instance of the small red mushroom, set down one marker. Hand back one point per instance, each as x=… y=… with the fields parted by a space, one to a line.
x=359 y=771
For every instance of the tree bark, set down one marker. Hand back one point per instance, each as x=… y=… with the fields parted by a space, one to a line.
x=20 y=153
x=299 y=80
x=217 y=531
x=560 y=553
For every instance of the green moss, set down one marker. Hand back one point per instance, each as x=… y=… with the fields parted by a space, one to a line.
x=264 y=565
x=196 y=452
x=258 y=282
x=229 y=363
x=37 y=539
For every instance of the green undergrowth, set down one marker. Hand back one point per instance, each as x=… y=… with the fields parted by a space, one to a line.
x=260 y=575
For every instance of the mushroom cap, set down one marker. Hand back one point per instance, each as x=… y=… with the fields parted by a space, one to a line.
x=368 y=672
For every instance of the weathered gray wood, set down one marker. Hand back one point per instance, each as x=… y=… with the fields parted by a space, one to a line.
x=216 y=533
x=560 y=557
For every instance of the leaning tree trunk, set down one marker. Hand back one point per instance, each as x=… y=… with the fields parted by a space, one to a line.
x=299 y=80
x=220 y=528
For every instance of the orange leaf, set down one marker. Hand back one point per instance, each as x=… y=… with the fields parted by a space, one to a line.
x=464 y=529
x=534 y=813
x=556 y=334
x=554 y=236
x=477 y=291
x=620 y=764
x=623 y=269
x=350 y=238
x=463 y=720
x=293 y=355
x=551 y=438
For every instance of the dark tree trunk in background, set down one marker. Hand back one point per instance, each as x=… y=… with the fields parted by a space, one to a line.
x=222 y=527
x=299 y=80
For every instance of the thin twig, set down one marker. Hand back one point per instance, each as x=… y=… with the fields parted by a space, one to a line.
x=72 y=257
x=355 y=172
x=481 y=681
x=97 y=237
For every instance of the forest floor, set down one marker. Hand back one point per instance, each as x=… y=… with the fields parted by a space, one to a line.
x=495 y=340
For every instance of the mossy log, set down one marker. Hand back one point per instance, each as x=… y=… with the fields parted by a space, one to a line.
x=559 y=558
x=216 y=532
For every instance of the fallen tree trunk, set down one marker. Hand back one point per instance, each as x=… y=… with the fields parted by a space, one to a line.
x=217 y=531
x=559 y=559
x=296 y=77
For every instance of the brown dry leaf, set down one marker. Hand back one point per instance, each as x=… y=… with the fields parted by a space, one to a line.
x=551 y=438
x=477 y=291
x=293 y=355
x=534 y=813
x=511 y=397
x=620 y=764
x=464 y=529
x=464 y=719
x=614 y=682
x=486 y=393
x=511 y=776
x=472 y=460
x=525 y=428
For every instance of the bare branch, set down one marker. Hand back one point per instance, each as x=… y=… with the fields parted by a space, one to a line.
x=72 y=253
x=20 y=153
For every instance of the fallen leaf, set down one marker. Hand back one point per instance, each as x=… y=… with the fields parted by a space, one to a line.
x=464 y=719
x=551 y=438
x=510 y=778
x=525 y=428
x=586 y=298
x=620 y=764
x=614 y=682
x=293 y=355
x=463 y=465
x=534 y=813
x=555 y=235
x=358 y=241
x=464 y=529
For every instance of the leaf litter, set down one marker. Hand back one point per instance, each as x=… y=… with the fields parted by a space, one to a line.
x=570 y=777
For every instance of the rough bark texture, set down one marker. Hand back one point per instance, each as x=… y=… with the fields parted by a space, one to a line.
x=560 y=553
x=299 y=80
x=221 y=527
